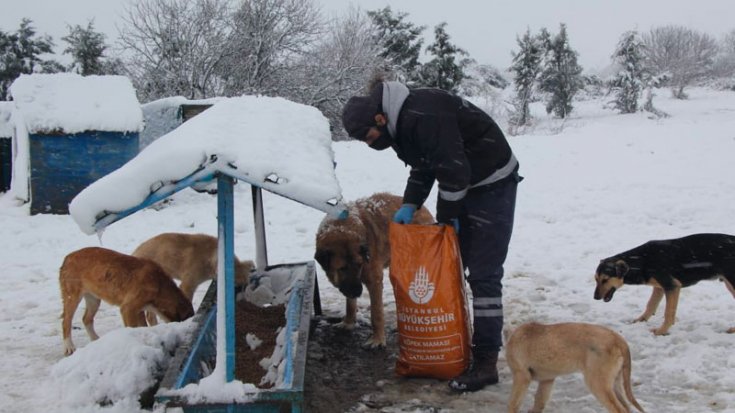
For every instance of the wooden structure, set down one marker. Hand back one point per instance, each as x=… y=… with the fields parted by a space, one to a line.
x=189 y=110
x=214 y=339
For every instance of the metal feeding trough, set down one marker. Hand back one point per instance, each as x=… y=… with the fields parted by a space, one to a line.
x=196 y=359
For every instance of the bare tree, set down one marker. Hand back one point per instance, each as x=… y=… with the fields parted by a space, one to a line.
x=175 y=46
x=724 y=65
x=684 y=54
x=266 y=36
x=728 y=43
x=338 y=67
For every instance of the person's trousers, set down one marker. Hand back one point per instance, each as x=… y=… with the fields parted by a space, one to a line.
x=485 y=229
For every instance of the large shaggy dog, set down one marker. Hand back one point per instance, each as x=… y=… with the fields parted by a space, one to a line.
x=355 y=251
x=134 y=284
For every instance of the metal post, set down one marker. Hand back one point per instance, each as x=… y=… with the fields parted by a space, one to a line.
x=225 y=278
x=261 y=251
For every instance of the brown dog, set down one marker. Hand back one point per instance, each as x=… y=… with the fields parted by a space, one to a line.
x=131 y=283
x=543 y=352
x=354 y=251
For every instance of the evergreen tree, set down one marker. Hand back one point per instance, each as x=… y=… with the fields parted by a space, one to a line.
x=628 y=83
x=20 y=54
x=443 y=71
x=526 y=67
x=86 y=47
x=401 y=43
x=561 y=76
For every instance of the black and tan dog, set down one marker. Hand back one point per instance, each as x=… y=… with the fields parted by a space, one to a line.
x=668 y=266
x=354 y=251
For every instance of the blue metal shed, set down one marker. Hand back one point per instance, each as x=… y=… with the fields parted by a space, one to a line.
x=6 y=163
x=6 y=147
x=62 y=165
x=74 y=130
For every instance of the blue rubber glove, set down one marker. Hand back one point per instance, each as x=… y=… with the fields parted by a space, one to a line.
x=404 y=215
x=455 y=224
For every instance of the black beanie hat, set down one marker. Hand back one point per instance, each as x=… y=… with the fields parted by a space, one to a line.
x=358 y=114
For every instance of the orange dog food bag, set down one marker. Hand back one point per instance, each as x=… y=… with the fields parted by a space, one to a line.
x=431 y=308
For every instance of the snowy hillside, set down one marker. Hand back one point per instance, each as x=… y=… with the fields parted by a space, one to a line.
x=599 y=184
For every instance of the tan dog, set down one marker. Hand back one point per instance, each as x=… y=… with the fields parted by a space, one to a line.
x=191 y=258
x=355 y=251
x=133 y=284
x=543 y=352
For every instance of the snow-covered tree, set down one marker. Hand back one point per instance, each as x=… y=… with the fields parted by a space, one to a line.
x=401 y=43
x=175 y=47
x=87 y=47
x=338 y=67
x=684 y=54
x=20 y=53
x=525 y=68
x=480 y=79
x=630 y=80
x=445 y=69
x=561 y=76
x=266 y=37
x=724 y=65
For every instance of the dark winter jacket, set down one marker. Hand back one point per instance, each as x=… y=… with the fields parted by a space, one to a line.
x=448 y=139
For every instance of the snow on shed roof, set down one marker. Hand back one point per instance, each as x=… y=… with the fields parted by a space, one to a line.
x=279 y=145
x=163 y=115
x=70 y=103
x=6 y=127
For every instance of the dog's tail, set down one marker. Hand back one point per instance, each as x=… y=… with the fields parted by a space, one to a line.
x=627 y=367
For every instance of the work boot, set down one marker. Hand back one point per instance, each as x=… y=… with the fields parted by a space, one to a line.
x=482 y=371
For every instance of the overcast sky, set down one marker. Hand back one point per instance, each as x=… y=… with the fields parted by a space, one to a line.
x=486 y=29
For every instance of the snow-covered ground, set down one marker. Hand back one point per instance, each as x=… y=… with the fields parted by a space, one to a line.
x=596 y=185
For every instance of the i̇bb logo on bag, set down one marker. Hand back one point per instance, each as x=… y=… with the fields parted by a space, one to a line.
x=421 y=290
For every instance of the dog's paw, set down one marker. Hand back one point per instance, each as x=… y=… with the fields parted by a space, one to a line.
x=345 y=325
x=642 y=319
x=68 y=348
x=374 y=343
x=731 y=330
x=660 y=331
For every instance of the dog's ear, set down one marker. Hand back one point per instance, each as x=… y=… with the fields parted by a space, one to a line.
x=323 y=257
x=621 y=268
x=364 y=252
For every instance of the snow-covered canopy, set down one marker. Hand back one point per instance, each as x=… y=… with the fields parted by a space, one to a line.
x=6 y=128
x=70 y=103
x=281 y=146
